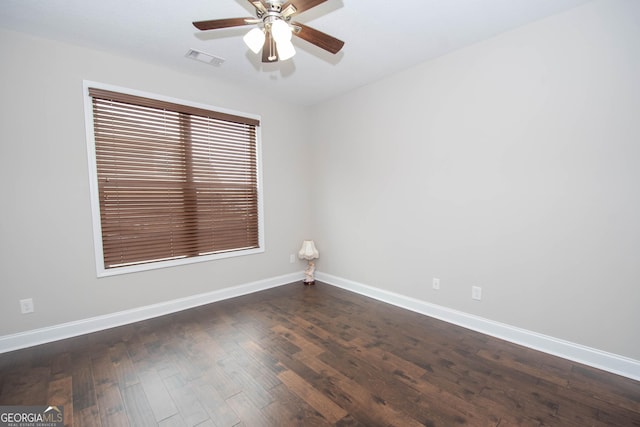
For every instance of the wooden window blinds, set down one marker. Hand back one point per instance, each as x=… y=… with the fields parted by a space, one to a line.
x=174 y=181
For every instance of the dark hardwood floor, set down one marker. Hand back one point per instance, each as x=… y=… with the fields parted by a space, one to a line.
x=309 y=356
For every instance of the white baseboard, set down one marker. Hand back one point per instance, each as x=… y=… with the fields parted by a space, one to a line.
x=578 y=353
x=98 y=323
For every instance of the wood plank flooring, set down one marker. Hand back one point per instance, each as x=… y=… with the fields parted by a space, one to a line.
x=309 y=356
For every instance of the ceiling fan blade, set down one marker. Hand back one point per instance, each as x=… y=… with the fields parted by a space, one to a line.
x=269 y=51
x=302 y=5
x=318 y=38
x=214 y=24
x=259 y=5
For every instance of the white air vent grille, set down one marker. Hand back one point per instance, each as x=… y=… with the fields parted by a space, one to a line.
x=204 y=57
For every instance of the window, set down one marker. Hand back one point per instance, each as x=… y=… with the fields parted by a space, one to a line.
x=173 y=182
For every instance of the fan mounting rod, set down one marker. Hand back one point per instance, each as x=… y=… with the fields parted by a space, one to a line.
x=274 y=11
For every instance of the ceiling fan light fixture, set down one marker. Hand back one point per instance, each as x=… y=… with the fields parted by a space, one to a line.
x=275 y=29
x=254 y=39
x=280 y=31
x=285 y=49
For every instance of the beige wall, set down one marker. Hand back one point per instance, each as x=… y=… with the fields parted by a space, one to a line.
x=46 y=241
x=512 y=165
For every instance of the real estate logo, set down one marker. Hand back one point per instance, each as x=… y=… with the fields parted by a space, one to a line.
x=32 y=416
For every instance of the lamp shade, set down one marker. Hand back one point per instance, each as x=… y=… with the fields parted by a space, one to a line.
x=254 y=39
x=308 y=250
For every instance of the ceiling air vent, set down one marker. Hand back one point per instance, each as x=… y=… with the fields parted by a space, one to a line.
x=204 y=57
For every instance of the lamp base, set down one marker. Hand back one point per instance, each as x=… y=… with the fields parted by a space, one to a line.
x=309 y=279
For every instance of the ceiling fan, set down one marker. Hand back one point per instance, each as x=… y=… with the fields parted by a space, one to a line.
x=274 y=30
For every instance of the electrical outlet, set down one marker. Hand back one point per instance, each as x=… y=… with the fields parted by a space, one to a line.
x=476 y=293
x=436 y=283
x=292 y=258
x=26 y=306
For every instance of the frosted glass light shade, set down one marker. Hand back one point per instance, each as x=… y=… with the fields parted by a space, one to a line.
x=280 y=31
x=254 y=39
x=285 y=49
x=308 y=250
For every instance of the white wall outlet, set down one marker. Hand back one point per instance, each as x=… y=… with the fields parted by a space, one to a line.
x=292 y=258
x=436 y=283
x=476 y=293
x=26 y=306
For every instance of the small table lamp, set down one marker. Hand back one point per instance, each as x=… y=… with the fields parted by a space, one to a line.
x=309 y=252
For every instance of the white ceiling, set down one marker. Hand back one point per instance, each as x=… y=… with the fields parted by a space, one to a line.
x=381 y=36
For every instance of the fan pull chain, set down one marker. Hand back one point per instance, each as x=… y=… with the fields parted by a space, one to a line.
x=272 y=50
